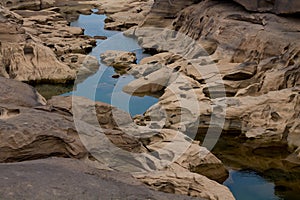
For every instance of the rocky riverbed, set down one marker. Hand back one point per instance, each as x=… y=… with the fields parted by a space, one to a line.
x=221 y=71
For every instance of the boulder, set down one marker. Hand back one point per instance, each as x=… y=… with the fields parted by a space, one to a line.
x=85 y=65
x=19 y=94
x=118 y=59
x=152 y=83
x=34 y=62
x=28 y=134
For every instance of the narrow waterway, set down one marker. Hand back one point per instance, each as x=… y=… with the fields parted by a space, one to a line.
x=245 y=185
x=101 y=86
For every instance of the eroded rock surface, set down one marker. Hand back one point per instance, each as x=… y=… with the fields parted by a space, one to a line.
x=19 y=94
x=255 y=66
x=105 y=137
x=62 y=178
x=124 y=14
x=182 y=182
x=277 y=6
x=34 y=45
x=118 y=59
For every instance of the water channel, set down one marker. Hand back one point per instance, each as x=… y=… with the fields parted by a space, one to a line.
x=244 y=184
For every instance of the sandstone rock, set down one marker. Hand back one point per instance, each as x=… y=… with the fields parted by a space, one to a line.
x=151 y=83
x=123 y=14
x=26 y=55
x=268 y=117
x=277 y=6
x=77 y=127
x=139 y=71
x=184 y=182
x=25 y=58
x=62 y=178
x=85 y=65
x=164 y=11
x=30 y=134
x=54 y=31
x=19 y=94
x=35 y=5
x=103 y=119
x=118 y=59
x=188 y=155
x=256 y=72
x=100 y=37
x=34 y=62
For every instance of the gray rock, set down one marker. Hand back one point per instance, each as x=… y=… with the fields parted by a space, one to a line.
x=59 y=178
x=19 y=94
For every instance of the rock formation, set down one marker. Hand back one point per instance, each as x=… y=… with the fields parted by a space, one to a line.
x=242 y=69
x=100 y=135
x=35 y=44
x=63 y=178
x=118 y=59
x=277 y=6
x=258 y=51
x=219 y=67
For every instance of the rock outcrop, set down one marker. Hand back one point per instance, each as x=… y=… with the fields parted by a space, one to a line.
x=103 y=136
x=241 y=78
x=121 y=60
x=18 y=94
x=185 y=183
x=35 y=44
x=259 y=59
x=277 y=6
x=62 y=178
x=124 y=14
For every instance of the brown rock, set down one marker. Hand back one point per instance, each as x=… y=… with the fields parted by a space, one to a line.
x=19 y=94
x=124 y=14
x=184 y=182
x=118 y=59
x=30 y=134
x=277 y=6
x=152 y=83
x=61 y=178
x=100 y=37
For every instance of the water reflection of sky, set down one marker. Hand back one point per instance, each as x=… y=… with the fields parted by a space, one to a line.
x=247 y=185
x=101 y=86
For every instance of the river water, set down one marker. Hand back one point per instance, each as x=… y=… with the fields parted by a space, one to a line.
x=101 y=86
x=245 y=185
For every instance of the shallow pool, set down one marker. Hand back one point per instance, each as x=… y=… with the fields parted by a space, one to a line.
x=248 y=185
x=101 y=86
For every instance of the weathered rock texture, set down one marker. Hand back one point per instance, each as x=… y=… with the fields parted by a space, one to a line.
x=34 y=45
x=124 y=14
x=18 y=94
x=103 y=136
x=118 y=59
x=59 y=178
x=276 y=6
x=241 y=66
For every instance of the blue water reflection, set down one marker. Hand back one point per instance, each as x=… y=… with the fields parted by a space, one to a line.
x=101 y=86
x=248 y=185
